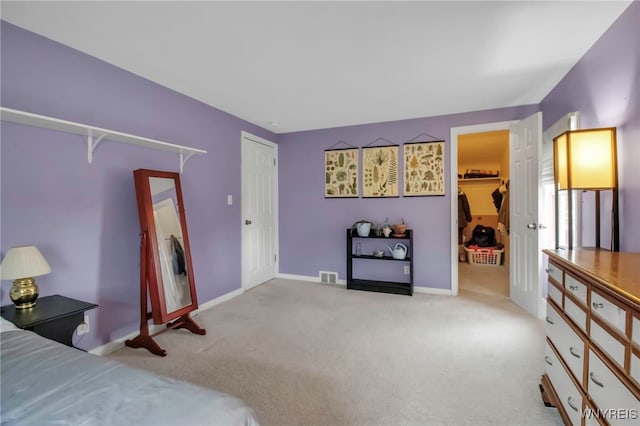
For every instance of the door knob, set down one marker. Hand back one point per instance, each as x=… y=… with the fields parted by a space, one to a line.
x=532 y=225
x=247 y=222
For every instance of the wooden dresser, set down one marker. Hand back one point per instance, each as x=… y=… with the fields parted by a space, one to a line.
x=592 y=354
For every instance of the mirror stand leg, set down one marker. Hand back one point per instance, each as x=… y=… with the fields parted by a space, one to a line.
x=185 y=321
x=146 y=342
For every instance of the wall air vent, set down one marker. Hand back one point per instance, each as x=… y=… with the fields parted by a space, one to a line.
x=328 y=277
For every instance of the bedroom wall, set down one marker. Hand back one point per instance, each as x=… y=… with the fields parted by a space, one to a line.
x=312 y=228
x=84 y=216
x=604 y=86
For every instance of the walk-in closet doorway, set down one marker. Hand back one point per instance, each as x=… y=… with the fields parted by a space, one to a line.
x=483 y=205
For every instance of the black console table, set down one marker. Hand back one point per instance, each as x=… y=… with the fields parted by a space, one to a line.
x=54 y=317
x=373 y=285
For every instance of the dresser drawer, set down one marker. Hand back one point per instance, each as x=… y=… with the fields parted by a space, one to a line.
x=576 y=313
x=635 y=367
x=568 y=395
x=575 y=287
x=609 y=393
x=567 y=342
x=553 y=326
x=554 y=293
x=555 y=272
x=572 y=350
x=608 y=311
x=608 y=343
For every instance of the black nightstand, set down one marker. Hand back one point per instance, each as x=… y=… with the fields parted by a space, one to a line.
x=54 y=317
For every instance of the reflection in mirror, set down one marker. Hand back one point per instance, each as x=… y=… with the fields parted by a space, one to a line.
x=170 y=244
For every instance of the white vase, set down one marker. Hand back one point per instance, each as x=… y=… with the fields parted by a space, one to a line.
x=363 y=229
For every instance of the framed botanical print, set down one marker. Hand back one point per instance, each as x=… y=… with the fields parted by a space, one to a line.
x=341 y=173
x=380 y=171
x=423 y=169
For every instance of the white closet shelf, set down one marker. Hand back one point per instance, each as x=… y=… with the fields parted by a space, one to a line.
x=95 y=135
x=487 y=179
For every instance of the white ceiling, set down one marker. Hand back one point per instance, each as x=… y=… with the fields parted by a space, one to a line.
x=289 y=66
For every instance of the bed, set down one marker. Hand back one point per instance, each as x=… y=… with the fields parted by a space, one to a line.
x=45 y=383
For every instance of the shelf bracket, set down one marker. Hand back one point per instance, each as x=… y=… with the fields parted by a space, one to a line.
x=183 y=159
x=92 y=145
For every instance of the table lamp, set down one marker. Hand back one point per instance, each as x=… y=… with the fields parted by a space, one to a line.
x=22 y=264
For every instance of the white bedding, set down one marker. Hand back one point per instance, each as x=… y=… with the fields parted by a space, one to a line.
x=46 y=383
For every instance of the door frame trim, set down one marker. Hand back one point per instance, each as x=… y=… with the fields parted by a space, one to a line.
x=246 y=136
x=453 y=187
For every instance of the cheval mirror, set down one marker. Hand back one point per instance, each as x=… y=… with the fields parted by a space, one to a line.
x=166 y=274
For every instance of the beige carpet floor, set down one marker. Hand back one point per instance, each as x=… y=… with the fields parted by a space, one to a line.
x=314 y=354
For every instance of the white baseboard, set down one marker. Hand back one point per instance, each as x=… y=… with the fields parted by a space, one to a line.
x=220 y=299
x=118 y=343
x=307 y=278
x=429 y=290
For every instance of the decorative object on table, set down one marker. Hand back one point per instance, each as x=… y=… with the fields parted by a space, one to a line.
x=378 y=253
x=380 y=171
x=423 y=169
x=399 y=229
x=341 y=173
x=22 y=264
x=386 y=228
x=362 y=227
x=399 y=251
x=586 y=160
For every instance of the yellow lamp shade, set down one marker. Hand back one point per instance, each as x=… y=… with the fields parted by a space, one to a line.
x=586 y=159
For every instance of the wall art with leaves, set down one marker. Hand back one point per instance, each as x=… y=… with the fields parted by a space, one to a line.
x=423 y=168
x=380 y=171
x=341 y=173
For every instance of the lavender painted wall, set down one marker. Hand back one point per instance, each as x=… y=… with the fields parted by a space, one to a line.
x=312 y=228
x=83 y=216
x=604 y=86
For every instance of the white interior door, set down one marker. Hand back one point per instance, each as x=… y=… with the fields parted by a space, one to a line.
x=524 y=191
x=259 y=210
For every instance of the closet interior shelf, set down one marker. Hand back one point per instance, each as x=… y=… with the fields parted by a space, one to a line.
x=95 y=135
x=487 y=179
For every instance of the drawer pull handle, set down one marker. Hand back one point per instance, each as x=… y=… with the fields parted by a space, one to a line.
x=573 y=287
x=549 y=320
x=597 y=305
x=570 y=402
x=548 y=360
x=576 y=354
x=595 y=380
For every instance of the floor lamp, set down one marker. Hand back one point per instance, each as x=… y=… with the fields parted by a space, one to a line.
x=586 y=160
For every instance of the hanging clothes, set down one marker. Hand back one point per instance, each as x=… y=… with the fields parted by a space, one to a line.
x=178 y=261
x=496 y=195
x=464 y=210
x=503 y=212
x=464 y=215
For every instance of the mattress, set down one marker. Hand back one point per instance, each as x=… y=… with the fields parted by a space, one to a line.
x=46 y=383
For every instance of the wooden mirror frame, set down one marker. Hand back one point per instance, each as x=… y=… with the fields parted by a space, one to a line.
x=151 y=281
